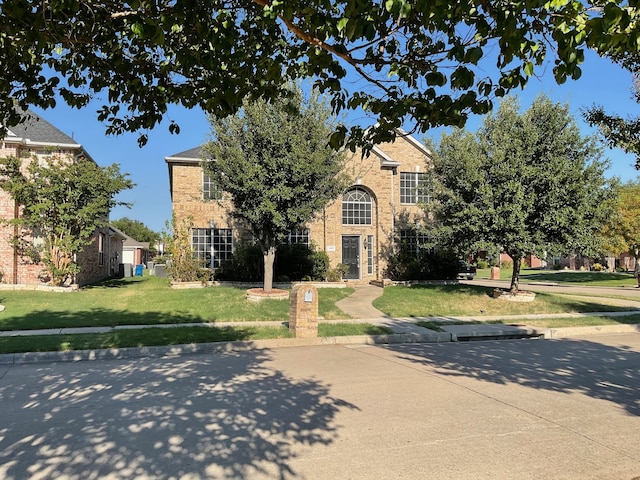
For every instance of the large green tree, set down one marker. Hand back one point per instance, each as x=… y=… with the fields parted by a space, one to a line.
x=64 y=201
x=137 y=230
x=622 y=233
x=430 y=62
x=528 y=182
x=274 y=160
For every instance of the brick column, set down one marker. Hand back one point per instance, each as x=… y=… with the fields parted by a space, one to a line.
x=303 y=312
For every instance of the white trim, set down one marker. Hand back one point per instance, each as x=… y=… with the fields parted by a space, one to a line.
x=385 y=160
x=413 y=141
x=29 y=143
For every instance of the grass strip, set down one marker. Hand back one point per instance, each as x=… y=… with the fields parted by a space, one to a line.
x=147 y=337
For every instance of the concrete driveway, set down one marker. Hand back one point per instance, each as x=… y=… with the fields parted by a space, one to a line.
x=528 y=409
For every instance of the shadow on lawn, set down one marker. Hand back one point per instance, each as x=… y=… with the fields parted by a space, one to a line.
x=94 y=317
x=115 y=283
x=599 y=371
x=208 y=416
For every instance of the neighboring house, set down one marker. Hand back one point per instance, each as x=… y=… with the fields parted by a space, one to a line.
x=133 y=251
x=37 y=138
x=360 y=229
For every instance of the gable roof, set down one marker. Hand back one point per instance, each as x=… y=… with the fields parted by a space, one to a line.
x=188 y=156
x=127 y=240
x=35 y=131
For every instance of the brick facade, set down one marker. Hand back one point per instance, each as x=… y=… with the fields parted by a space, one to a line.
x=38 y=138
x=366 y=247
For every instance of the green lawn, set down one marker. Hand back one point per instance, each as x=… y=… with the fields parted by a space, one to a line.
x=595 y=279
x=146 y=300
x=464 y=300
x=170 y=336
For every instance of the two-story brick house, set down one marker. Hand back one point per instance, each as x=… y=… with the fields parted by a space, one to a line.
x=360 y=229
x=36 y=138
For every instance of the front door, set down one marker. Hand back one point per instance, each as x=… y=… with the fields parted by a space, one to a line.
x=351 y=256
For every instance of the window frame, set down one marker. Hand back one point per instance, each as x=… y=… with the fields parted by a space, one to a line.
x=101 y=240
x=415 y=187
x=357 y=211
x=210 y=190
x=214 y=245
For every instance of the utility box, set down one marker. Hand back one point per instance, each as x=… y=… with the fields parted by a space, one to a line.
x=160 y=271
x=124 y=270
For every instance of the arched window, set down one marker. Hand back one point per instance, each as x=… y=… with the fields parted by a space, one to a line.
x=356 y=207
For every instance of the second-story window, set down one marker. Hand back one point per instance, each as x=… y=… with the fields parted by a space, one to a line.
x=415 y=187
x=210 y=190
x=356 y=207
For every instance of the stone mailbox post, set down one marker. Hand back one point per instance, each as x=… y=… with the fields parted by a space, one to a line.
x=303 y=313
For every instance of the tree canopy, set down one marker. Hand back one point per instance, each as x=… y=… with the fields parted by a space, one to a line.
x=622 y=233
x=64 y=201
x=528 y=182
x=431 y=63
x=136 y=230
x=274 y=161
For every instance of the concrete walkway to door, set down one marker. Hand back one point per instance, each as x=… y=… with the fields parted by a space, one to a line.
x=359 y=303
x=359 y=306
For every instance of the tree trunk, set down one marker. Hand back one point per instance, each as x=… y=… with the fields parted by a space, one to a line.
x=269 y=254
x=515 y=276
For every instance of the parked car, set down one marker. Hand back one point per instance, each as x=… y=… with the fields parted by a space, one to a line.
x=466 y=271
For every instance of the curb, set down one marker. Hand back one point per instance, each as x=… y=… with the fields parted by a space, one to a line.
x=568 y=332
x=244 y=346
x=218 y=347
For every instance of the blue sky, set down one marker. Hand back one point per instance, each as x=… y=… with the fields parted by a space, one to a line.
x=602 y=82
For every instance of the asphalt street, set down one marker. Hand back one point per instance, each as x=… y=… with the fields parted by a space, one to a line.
x=510 y=409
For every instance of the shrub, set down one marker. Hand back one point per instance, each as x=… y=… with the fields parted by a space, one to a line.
x=482 y=264
x=183 y=266
x=338 y=273
x=246 y=265
x=320 y=265
x=506 y=264
x=597 y=267
x=439 y=265
x=293 y=262
x=160 y=260
x=621 y=269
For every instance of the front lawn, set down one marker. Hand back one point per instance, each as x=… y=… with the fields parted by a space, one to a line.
x=170 y=336
x=594 y=279
x=465 y=300
x=146 y=300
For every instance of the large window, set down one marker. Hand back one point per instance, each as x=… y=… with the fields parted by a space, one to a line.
x=212 y=245
x=415 y=187
x=210 y=190
x=356 y=207
x=412 y=242
x=300 y=235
